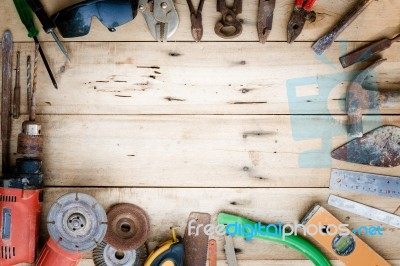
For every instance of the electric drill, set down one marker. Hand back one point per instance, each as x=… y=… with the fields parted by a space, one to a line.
x=21 y=190
x=21 y=195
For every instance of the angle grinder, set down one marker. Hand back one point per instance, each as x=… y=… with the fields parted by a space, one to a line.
x=76 y=224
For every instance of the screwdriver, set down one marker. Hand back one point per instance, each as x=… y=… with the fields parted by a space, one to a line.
x=47 y=23
x=26 y=17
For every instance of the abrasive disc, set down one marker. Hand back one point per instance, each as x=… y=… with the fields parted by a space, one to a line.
x=77 y=222
x=106 y=255
x=128 y=227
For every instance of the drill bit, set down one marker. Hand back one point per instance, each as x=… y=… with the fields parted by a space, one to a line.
x=28 y=82
x=17 y=90
x=32 y=110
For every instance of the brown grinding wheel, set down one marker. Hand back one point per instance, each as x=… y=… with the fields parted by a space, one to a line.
x=128 y=227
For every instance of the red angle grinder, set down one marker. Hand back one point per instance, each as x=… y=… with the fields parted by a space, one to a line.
x=77 y=223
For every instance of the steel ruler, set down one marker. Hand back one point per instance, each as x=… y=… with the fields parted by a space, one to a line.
x=230 y=251
x=364 y=210
x=365 y=183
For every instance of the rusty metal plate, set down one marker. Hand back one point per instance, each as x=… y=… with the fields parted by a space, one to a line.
x=379 y=147
x=196 y=241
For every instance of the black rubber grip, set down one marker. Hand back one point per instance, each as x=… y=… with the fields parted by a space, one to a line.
x=37 y=8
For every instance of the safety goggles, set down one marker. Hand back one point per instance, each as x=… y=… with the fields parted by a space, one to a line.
x=75 y=21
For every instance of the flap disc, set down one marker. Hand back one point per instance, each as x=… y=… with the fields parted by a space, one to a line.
x=128 y=227
x=106 y=255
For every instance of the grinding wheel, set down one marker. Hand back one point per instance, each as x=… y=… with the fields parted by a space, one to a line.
x=106 y=255
x=128 y=227
x=77 y=222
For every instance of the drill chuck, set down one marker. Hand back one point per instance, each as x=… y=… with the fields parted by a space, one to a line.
x=30 y=140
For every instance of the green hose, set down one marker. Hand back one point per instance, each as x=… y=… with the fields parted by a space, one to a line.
x=268 y=233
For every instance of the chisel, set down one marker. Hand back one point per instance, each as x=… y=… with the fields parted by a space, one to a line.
x=368 y=51
x=326 y=41
x=6 y=94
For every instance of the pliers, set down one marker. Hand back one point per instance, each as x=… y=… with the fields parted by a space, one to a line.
x=161 y=18
x=264 y=19
x=301 y=13
x=196 y=19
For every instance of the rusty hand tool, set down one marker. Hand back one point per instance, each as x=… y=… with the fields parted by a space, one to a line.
x=6 y=94
x=264 y=19
x=229 y=21
x=379 y=147
x=196 y=20
x=301 y=13
x=17 y=90
x=196 y=242
x=326 y=41
x=359 y=99
x=368 y=51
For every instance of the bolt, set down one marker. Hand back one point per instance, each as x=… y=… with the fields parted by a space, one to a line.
x=142 y=7
x=164 y=5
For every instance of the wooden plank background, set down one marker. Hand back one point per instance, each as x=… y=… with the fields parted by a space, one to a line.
x=214 y=126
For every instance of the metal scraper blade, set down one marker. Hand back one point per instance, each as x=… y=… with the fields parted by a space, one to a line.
x=379 y=147
x=195 y=240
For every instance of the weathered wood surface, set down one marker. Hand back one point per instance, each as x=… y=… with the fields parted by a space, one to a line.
x=206 y=78
x=199 y=151
x=370 y=25
x=168 y=207
x=206 y=127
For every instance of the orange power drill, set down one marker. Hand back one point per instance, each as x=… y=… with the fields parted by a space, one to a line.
x=21 y=194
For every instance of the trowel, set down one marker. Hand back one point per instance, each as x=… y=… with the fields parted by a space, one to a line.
x=379 y=147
